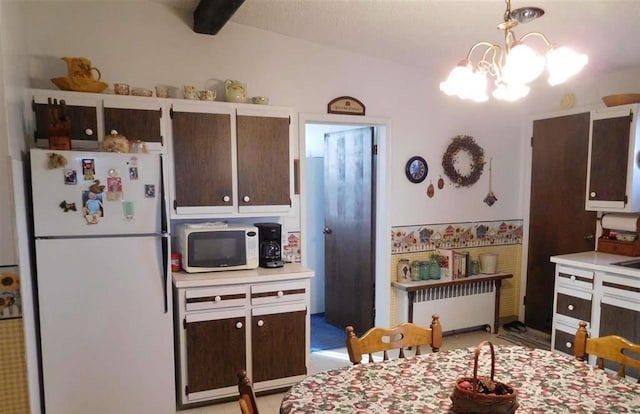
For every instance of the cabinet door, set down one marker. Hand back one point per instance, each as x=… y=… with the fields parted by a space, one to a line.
x=264 y=165
x=278 y=344
x=83 y=120
x=202 y=162
x=609 y=150
x=216 y=351
x=135 y=119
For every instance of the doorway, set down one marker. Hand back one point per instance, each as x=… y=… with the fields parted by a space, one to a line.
x=312 y=134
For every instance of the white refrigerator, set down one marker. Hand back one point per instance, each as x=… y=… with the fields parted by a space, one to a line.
x=103 y=285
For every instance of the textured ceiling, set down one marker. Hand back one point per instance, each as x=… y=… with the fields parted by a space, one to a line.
x=435 y=35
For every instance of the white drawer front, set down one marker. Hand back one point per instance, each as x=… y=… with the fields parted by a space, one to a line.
x=275 y=293
x=216 y=297
x=577 y=278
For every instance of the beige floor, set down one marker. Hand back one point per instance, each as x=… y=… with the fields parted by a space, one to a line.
x=324 y=360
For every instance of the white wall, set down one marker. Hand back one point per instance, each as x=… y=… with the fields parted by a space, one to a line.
x=150 y=44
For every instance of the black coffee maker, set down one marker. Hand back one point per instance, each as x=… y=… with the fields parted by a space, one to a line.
x=270 y=239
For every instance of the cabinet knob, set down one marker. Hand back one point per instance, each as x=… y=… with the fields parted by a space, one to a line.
x=113 y=132
x=592 y=194
x=226 y=199
x=280 y=293
x=217 y=299
x=570 y=307
x=238 y=325
x=568 y=345
x=88 y=131
x=572 y=277
x=260 y=322
x=246 y=199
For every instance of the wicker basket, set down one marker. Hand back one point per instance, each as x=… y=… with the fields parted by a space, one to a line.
x=472 y=401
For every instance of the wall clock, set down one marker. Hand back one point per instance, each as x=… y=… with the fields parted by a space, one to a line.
x=416 y=169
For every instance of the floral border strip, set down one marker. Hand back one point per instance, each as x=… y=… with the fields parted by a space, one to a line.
x=409 y=239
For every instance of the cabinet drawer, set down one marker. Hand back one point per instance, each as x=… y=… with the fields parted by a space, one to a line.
x=579 y=278
x=215 y=298
x=574 y=307
x=564 y=342
x=278 y=293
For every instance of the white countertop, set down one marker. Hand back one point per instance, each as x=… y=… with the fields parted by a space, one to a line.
x=598 y=261
x=232 y=277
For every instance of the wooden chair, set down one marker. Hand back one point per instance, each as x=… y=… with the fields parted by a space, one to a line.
x=610 y=348
x=247 y=399
x=402 y=336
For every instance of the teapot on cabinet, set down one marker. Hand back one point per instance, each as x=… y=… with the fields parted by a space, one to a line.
x=235 y=91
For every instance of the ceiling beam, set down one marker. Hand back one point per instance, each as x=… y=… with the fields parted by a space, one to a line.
x=211 y=15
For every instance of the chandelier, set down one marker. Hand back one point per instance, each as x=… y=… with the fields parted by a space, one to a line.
x=513 y=66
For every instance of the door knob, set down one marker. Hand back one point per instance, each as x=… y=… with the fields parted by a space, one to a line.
x=589 y=237
x=327 y=230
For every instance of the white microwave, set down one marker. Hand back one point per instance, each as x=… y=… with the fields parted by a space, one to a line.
x=210 y=247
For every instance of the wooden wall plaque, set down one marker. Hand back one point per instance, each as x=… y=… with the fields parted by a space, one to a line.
x=346 y=105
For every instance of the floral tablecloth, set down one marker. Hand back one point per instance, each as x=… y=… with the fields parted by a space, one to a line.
x=546 y=382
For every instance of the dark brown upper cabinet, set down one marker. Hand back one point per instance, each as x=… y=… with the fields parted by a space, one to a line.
x=613 y=181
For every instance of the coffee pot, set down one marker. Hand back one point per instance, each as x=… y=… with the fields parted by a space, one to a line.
x=235 y=91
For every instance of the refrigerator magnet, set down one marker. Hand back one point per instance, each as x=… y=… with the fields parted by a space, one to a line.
x=128 y=210
x=70 y=176
x=66 y=206
x=114 y=188
x=133 y=173
x=92 y=206
x=149 y=190
x=88 y=168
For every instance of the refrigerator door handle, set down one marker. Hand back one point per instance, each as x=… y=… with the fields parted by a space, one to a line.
x=165 y=271
x=163 y=202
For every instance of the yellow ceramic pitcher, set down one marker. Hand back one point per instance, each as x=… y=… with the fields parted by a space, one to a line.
x=80 y=67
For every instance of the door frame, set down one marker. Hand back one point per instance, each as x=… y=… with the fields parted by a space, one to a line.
x=527 y=153
x=382 y=230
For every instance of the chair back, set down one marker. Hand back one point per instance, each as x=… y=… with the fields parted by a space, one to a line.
x=606 y=348
x=247 y=399
x=400 y=337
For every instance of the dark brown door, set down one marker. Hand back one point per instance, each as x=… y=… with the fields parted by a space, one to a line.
x=198 y=140
x=135 y=124
x=609 y=152
x=278 y=343
x=558 y=222
x=349 y=218
x=263 y=161
x=216 y=351
x=83 y=120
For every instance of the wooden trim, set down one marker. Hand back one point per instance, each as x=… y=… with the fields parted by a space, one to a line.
x=621 y=287
x=275 y=293
x=212 y=298
x=578 y=278
x=296 y=176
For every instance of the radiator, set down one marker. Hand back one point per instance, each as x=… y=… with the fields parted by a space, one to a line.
x=460 y=306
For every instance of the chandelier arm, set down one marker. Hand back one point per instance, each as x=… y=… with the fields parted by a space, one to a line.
x=541 y=35
x=490 y=46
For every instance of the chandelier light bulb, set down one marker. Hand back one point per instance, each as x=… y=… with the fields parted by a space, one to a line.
x=522 y=65
x=563 y=63
x=459 y=77
x=510 y=93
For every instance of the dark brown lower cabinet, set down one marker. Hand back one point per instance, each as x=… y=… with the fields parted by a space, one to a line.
x=278 y=345
x=215 y=352
x=622 y=321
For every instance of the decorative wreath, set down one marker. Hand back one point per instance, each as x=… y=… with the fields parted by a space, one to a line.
x=467 y=144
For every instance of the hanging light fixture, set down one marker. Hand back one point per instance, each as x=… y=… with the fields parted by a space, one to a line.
x=513 y=66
